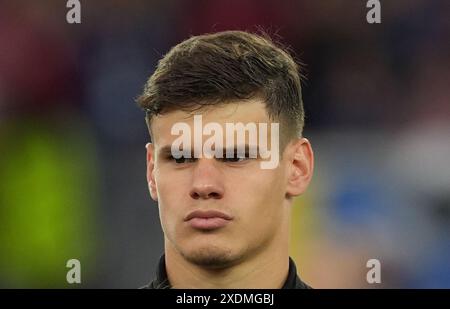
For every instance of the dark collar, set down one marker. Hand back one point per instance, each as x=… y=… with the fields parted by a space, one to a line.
x=162 y=282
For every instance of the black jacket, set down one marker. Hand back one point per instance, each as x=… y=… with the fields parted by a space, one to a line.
x=162 y=282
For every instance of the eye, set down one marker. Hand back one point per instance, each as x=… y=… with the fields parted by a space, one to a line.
x=233 y=159
x=236 y=158
x=181 y=160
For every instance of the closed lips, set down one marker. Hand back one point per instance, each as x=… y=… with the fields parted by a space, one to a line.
x=207 y=214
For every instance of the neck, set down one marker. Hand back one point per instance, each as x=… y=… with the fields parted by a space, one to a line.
x=267 y=269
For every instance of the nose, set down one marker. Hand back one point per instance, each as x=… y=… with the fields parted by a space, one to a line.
x=207 y=180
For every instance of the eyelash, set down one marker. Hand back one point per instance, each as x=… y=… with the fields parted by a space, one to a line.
x=191 y=160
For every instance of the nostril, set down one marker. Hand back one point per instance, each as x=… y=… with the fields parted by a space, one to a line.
x=198 y=194
x=195 y=195
x=214 y=195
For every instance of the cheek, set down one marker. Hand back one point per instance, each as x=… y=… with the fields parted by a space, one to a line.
x=169 y=183
x=260 y=197
x=170 y=213
x=263 y=184
x=171 y=192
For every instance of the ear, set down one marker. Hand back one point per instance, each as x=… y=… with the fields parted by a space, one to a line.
x=150 y=171
x=301 y=166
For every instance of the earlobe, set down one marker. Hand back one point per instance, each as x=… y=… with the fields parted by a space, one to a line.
x=301 y=160
x=150 y=171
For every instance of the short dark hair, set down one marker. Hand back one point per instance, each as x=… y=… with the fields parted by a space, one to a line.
x=221 y=67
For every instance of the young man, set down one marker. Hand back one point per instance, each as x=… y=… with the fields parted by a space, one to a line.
x=224 y=201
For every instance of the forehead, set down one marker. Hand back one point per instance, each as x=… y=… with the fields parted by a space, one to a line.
x=247 y=111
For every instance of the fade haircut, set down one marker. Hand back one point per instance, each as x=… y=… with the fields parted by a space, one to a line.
x=218 y=68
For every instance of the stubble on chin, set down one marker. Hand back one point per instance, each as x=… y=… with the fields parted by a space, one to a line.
x=212 y=257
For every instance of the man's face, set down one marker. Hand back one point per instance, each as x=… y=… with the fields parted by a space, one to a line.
x=217 y=211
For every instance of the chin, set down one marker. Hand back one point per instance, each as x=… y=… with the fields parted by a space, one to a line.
x=211 y=257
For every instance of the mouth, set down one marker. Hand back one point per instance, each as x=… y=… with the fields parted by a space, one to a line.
x=208 y=219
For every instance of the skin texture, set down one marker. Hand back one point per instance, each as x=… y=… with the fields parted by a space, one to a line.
x=251 y=250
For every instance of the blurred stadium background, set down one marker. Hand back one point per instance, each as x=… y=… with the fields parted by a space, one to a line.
x=72 y=157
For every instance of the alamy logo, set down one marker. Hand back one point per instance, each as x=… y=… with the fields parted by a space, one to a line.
x=374 y=274
x=74 y=14
x=374 y=14
x=74 y=274
x=213 y=147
